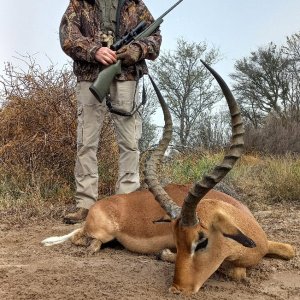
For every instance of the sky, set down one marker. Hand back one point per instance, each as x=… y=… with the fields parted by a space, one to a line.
x=236 y=27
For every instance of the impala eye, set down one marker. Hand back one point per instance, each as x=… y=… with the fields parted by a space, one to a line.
x=202 y=243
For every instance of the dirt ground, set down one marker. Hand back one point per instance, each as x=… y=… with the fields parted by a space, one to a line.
x=31 y=271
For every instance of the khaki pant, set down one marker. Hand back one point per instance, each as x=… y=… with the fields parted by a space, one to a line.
x=91 y=115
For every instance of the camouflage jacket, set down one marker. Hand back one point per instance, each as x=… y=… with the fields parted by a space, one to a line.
x=80 y=37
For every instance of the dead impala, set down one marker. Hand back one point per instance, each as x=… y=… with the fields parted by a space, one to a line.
x=206 y=227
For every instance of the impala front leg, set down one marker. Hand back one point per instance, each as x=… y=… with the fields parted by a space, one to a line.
x=80 y=238
x=95 y=246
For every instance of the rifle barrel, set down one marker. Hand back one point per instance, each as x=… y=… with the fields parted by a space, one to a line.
x=152 y=27
x=165 y=13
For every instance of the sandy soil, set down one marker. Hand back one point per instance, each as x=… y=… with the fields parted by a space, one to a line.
x=31 y=271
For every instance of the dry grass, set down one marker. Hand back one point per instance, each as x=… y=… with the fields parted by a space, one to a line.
x=258 y=179
x=270 y=179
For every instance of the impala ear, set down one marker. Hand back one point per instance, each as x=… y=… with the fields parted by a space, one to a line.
x=224 y=224
x=163 y=219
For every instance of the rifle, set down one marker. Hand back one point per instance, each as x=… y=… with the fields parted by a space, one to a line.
x=100 y=86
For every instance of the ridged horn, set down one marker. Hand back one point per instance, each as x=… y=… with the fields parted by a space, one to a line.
x=200 y=189
x=171 y=208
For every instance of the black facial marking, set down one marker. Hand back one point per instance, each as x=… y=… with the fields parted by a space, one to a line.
x=202 y=245
x=203 y=241
x=242 y=239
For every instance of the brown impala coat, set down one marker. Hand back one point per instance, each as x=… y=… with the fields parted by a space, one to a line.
x=209 y=228
x=129 y=219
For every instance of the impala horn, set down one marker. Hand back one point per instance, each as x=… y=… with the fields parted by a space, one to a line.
x=200 y=189
x=171 y=208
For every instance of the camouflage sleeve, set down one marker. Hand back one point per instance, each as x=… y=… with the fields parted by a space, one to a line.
x=150 y=45
x=74 y=44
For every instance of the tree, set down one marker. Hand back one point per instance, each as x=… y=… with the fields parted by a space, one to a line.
x=267 y=82
x=187 y=86
x=214 y=131
x=292 y=51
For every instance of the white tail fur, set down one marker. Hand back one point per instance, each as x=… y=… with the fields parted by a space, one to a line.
x=53 y=240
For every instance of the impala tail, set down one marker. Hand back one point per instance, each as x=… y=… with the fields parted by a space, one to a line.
x=53 y=240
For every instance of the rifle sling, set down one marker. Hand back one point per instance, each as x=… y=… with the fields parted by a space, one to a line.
x=124 y=113
x=134 y=109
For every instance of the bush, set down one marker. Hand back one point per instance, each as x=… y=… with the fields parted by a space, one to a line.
x=38 y=135
x=276 y=136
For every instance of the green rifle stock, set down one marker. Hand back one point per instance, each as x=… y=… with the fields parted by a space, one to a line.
x=100 y=86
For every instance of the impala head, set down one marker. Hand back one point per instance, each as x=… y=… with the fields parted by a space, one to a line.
x=198 y=245
x=201 y=249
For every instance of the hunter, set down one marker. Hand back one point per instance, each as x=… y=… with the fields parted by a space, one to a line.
x=87 y=30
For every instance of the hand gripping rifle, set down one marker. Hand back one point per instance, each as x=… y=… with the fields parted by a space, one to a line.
x=101 y=85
